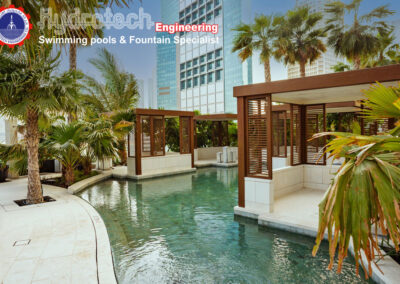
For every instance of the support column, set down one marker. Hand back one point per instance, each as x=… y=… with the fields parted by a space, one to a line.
x=241 y=120
x=138 y=145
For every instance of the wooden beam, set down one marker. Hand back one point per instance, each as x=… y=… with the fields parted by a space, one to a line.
x=241 y=150
x=138 y=145
x=160 y=112
x=340 y=79
x=217 y=117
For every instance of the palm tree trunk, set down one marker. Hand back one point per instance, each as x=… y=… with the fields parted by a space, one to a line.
x=35 y=194
x=123 y=155
x=69 y=176
x=302 y=69
x=357 y=63
x=267 y=70
x=72 y=56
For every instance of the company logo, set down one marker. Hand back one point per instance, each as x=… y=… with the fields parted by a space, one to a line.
x=14 y=26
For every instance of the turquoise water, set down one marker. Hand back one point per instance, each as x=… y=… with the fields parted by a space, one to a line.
x=182 y=229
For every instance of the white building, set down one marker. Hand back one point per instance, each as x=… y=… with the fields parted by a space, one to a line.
x=322 y=65
x=141 y=102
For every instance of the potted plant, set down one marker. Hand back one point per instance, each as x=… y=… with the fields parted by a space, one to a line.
x=3 y=170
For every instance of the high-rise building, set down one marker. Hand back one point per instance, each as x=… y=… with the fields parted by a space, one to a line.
x=324 y=63
x=141 y=103
x=204 y=74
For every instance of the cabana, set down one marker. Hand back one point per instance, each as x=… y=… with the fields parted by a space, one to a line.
x=261 y=134
x=147 y=152
x=207 y=156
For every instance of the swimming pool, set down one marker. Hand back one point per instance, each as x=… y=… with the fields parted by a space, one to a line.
x=182 y=229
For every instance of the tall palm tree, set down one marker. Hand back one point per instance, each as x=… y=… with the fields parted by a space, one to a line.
x=365 y=193
x=385 y=48
x=299 y=39
x=28 y=91
x=116 y=98
x=360 y=39
x=256 y=37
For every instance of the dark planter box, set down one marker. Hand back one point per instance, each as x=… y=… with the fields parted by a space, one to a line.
x=3 y=173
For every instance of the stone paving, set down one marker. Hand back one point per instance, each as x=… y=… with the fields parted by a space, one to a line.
x=58 y=242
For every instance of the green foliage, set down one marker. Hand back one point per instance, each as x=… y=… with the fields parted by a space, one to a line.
x=341 y=67
x=360 y=39
x=365 y=192
x=172 y=134
x=299 y=40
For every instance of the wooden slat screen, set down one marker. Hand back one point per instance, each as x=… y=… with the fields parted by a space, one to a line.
x=146 y=133
x=279 y=145
x=158 y=132
x=131 y=144
x=315 y=123
x=259 y=138
x=374 y=127
x=295 y=137
x=185 y=135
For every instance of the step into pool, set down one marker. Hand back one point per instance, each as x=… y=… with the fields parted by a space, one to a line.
x=181 y=229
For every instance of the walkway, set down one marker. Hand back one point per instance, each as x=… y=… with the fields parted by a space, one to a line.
x=59 y=242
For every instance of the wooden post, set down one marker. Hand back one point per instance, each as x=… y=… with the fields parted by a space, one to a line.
x=152 y=152
x=138 y=145
x=241 y=120
x=269 y=135
x=191 y=137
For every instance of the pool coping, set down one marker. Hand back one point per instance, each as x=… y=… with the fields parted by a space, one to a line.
x=390 y=267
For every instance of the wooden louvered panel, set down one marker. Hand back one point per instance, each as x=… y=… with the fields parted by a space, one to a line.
x=185 y=135
x=279 y=143
x=315 y=123
x=131 y=144
x=158 y=132
x=375 y=127
x=259 y=137
x=295 y=137
x=146 y=139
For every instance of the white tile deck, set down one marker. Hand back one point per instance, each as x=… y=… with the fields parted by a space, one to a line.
x=67 y=243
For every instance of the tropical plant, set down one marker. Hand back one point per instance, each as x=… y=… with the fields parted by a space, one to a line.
x=341 y=67
x=360 y=39
x=364 y=196
x=172 y=134
x=385 y=48
x=116 y=98
x=299 y=38
x=256 y=37
x=29 y=91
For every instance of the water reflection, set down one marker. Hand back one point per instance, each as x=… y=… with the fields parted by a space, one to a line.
x=182 y=229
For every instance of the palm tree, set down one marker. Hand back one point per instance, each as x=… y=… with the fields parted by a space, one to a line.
x=385 y=48
x=116 y=98
x=299 y=40
x=360 y=39
x=256 y=37
x=365 y=193
x=341 y=67
x=29 y=91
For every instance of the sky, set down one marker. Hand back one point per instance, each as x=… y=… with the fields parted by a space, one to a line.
x=141 y=59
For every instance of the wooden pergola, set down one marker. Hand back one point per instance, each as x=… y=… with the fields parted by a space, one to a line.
x=149 y=134
x=307 y=101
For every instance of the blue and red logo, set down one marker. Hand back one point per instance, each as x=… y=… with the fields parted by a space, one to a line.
x=14 y=26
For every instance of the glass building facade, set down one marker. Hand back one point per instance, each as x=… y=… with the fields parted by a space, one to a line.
x=207 y=72
x=167 y=60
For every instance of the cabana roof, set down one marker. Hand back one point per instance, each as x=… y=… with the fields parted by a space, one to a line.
x=327 y=88
x=216 y=117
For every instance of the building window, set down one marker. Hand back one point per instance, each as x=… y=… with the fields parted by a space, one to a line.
x=187 y=10
x=202 y=59
x=210 y=77
x=217 y=12
x=202 y=11
x=194 y=15
x=188 y=64
x=202 y=79
x=202 y=68
x=209 y=6
x=195 y=61
x=202 y=20
x=218 y=63
x=182 y=66
x=194 y=6
x=189 y=83
x=182 y=75
x=209 y=16
x=187 y=19
x=182 y=22
x=217 y=2
x=182 y=85
x=210 y=56
x=218 y=53
x=218 y=75
x=189 y=73
x=201 y=2
x=210 y=66
x=196 y=71
x=195 y=81
x=181 y=14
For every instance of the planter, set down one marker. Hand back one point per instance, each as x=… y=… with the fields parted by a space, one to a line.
x=3 y=173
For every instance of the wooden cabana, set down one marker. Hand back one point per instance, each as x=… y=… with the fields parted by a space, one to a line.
x=207 y=156
x=147 y=154
x=306 y=103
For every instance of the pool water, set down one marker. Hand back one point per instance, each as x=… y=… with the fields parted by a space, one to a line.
x=182 y=229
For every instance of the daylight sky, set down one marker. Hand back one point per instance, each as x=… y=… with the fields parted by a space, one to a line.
x=141 y=59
